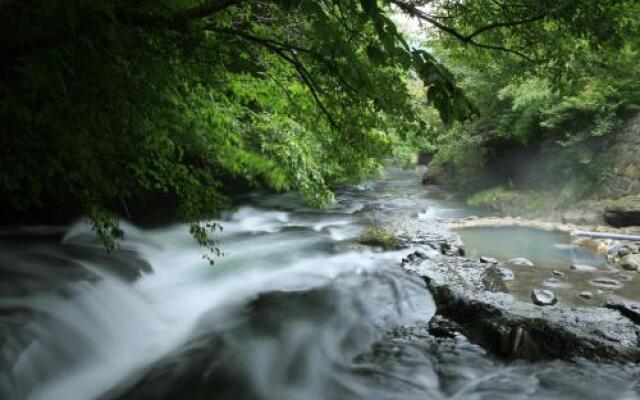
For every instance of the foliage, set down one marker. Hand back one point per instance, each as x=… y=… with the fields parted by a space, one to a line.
x=516 y=203
x=560 y=76
x=107 y=105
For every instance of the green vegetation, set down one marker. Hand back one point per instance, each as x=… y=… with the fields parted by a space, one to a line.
x=378 y=236
x=110 y=106
x=527 y=203
x=557 y=79
x=107 y=105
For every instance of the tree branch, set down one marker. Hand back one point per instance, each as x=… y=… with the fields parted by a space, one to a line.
x=209 y=8
x=414 y=11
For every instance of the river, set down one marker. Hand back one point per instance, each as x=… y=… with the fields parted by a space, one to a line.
x=293 y=310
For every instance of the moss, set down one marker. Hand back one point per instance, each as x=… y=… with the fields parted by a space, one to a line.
x=527 y=203
x=539 y=322
x=379 y=237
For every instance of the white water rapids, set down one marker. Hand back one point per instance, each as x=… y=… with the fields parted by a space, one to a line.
x=326 y=326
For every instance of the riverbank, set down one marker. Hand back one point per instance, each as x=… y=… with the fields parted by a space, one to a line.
x=483 y=299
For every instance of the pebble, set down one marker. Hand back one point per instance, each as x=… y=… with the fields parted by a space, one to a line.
x=557 y=273
x=520 y=262
x=488 y=260
x=586 y=295
x=606 y=282
x=554 y=282
x=583 y=267
x=506 y=274
x=543 y=297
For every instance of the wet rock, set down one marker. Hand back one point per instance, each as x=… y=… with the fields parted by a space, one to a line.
x=543 y=297
x=557 y=273
x=624 y=277
x=421 y=254
x=434 y=175
x=451 y=249
x=585 y=295
x=630 y=262
x=443 y=327
x=609 y=283
x=467 y=292
x=488 y=260
x=623 y=215
x=629 y=310
x=520 y=262
x=583 y=268
x=506 y=274
x=511 y=328
x=554 y=282
x=618 y=251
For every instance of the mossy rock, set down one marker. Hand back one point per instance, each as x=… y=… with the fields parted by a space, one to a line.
x=377 y=236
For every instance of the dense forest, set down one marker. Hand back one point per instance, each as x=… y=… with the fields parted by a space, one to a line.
x=108 y=106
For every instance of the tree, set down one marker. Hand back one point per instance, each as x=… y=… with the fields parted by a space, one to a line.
x=108 y=104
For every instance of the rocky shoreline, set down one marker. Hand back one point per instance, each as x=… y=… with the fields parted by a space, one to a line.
x=624 y=253
x=473 y=298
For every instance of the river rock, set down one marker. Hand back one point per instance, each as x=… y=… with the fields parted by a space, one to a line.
x=510 y=328
x=443 y=327
x=631 y=262
x=434 y=175
x=520 y=262
x=606 y=282
x=467 y=292
x=630 y=310
x=583 y=268
x=543 y=297
x=488 y=260
x=506 y=274
x=587 y=295
x=557 y=273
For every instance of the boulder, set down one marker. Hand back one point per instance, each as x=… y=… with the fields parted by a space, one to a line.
x=434 y=175
x=468 y=293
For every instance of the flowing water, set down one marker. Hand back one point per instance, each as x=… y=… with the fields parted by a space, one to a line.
x=292 y=311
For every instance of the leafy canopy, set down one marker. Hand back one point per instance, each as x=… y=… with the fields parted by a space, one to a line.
x=107 y=105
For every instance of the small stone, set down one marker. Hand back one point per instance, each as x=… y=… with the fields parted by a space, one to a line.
x=506 y=274
x=543 y=297
x=520 y=262
x=631 y=262
x=583 y=267
x=606 y=282
x=421 y=254
x=557 y=273
x=587 y=295
x=488 y=260
x=554 y=282
x=624 y=277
